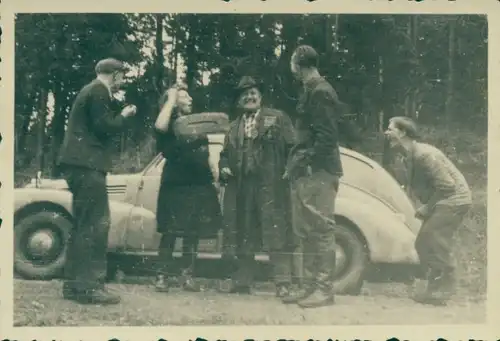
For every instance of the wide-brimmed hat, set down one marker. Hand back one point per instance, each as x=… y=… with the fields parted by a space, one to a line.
x=247 y=82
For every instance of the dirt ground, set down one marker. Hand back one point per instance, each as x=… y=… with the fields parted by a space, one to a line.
x=40 y=304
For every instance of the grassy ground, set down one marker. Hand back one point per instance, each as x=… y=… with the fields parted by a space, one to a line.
x=40 y=304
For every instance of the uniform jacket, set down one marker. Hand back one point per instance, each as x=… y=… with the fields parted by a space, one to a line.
x=91 y=127
x=317 y=127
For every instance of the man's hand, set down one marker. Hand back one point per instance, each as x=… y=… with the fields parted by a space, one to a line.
x=129 y=110
x=307 y=172
x=286 y=176
x=422 y=212
x=226 y=172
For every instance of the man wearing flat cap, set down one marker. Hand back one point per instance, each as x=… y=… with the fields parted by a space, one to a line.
x=257 y=202
x=85 y=158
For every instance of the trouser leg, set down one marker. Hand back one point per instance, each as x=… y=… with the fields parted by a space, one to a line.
x=434 y=245
x=249 y=223
x=165 y=254
x=87 y=257
x=281 y=261
x=316 y=195
x=189 y=253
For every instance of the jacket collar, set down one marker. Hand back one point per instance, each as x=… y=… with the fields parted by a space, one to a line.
x=106 y=85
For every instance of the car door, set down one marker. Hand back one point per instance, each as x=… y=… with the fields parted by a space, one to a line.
x=141 y=236
x=149 y=185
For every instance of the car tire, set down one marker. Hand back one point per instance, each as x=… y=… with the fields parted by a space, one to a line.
x=351 y=278
x=53 y=224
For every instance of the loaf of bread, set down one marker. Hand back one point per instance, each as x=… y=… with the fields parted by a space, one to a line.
x=201 y=124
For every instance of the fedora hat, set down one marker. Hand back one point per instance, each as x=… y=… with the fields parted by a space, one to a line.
x=247 y=82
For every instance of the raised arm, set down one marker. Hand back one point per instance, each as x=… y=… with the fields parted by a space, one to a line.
x=162 y=123
x=104 y=120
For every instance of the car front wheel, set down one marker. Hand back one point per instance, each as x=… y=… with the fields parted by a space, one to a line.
x=40 y=245
x=351 y=260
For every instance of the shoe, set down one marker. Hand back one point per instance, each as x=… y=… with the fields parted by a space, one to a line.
x=295 y=297
x=98 y=296
x=241 y=289
x=318 y=298
x=189 y=283
x=161 y=284
x=230 y=286
x=282 y=291
x=69 y=293
x=439 y=289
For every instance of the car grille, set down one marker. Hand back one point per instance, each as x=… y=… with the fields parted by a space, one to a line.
x=116 y=189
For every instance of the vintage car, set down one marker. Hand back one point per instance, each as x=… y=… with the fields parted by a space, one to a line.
x=375 y=218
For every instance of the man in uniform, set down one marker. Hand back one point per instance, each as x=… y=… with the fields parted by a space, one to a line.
x=315 y=169
x=257 y=203
x=85 y=158
x=442 y=189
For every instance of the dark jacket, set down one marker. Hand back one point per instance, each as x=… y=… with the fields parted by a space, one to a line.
x=317 y=127
x=91 y=126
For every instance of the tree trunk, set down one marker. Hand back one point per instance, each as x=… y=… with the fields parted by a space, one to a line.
x=414 y=91
x=383 y=120
x=328 y=34
x=409 y=32
x=451 y=73
x=20 y=155
x=22 y=128
x=41 y=120
x=191 y=60
x=58 y=124
x=160 y=58
x=336 y=34
x=176 y=60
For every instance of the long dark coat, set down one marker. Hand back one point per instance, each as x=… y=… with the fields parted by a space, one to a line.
x=270 y=150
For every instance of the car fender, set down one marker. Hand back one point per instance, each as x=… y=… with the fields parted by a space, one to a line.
x=120 y=212
x=387 y=237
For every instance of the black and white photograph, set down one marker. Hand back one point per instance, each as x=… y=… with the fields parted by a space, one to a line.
x=259 y=169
